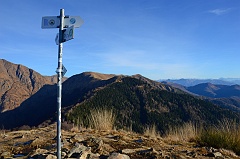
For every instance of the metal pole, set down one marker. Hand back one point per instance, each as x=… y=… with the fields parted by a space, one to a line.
x=59 y=83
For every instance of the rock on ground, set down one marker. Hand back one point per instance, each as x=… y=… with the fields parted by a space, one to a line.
x=90 y=144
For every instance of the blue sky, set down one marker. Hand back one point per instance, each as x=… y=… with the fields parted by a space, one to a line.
x=159 y=39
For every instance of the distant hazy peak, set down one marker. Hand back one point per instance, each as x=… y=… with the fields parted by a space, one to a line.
x=193 y=82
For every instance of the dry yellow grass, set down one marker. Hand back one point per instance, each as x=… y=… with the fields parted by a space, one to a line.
x=102 y=119
x=152 y=132
x=187 y=132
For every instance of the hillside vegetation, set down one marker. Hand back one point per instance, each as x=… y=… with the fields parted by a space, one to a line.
x=138 y=104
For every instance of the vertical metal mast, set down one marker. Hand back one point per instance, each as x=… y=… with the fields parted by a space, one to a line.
x=59 y=83
x=69 y=22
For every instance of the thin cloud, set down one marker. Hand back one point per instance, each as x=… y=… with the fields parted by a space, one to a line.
x=134 y=59
x=220 y=11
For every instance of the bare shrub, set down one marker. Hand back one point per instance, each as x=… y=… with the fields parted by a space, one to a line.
x=24 y=127
x=66 y=126
x=102 y=119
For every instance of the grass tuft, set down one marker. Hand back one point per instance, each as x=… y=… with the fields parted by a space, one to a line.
x=102 y=119
x=226 y=135
x=151 y=131
x=186 y=132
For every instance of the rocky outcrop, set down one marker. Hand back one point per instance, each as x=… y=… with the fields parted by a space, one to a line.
x=18 y=83
x=91 y=144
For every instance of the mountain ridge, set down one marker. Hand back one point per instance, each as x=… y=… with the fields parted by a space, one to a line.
x=139 y=104
x=226 y=96
x=193 y=82
x=141 y=100
x=17 y=83
x=215 y=91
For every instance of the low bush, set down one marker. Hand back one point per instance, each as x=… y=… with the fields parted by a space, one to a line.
x=226 y=135
x=66 y=126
